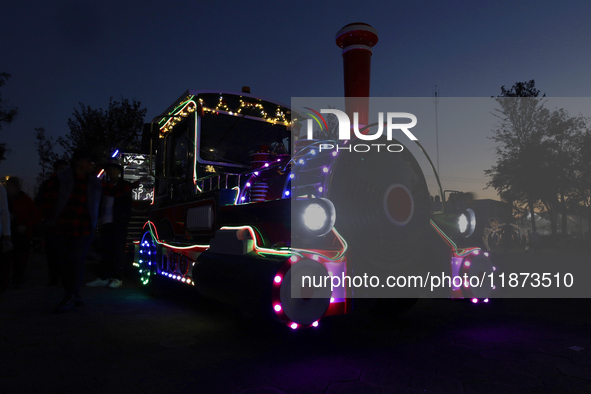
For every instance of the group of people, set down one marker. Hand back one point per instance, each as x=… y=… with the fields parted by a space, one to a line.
x=67 y=209
x=19 y=216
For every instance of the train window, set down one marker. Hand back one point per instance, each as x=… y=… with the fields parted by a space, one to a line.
x=231 y=139
x=180 y=154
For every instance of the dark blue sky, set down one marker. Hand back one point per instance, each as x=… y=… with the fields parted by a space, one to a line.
x=64 y=52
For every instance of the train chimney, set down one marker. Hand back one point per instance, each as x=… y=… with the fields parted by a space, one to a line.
x=356 y=40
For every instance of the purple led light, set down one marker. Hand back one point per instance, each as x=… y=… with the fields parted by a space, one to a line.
x=293 y=326
x=247 y=184
x=315 y=324
x=266 y=164
x=277 y=308
x=475 y=300
x=325 y=169
x=334 y=153
x=486 y=300
x=277 y=279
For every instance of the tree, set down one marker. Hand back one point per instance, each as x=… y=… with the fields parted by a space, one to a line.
x=583 y=172
x=7 y=113
x=561 y=135
x=518 y=173
x=3 y=150
x=104 y=131
x=47 y=156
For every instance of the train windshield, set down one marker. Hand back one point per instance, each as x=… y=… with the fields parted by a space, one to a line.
x=232 y=139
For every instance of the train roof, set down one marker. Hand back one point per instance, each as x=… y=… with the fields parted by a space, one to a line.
x=190 y=92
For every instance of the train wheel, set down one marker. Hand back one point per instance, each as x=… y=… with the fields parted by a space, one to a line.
x=299 y=303
x=148 y=261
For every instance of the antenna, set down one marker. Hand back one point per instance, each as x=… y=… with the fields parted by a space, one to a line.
x=436 y=128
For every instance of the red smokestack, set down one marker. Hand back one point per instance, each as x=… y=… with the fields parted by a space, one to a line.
x=356 y=40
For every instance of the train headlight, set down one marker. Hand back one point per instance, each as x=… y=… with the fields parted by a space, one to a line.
x=316 y=216
x=463 y=223
x=467 y=222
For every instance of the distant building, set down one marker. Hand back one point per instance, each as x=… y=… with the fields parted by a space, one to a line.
x=576 y=225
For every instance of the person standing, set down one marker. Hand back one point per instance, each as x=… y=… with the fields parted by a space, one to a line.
x=51 y=249
x=115 y=215
x=71 y=202
x=5 y=234
x=24 y=217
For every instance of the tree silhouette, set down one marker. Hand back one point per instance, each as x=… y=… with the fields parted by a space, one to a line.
x=561 y=137
x=104 y=131
x=518 y=174
x=542 y=155
x=583 y=172
x=47 y=155
x=7 y=113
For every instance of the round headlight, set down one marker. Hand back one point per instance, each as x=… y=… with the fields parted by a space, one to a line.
x=463 y=223
x=467 y=222
x=315 y=217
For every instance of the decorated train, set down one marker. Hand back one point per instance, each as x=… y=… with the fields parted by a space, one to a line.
x=242 y=209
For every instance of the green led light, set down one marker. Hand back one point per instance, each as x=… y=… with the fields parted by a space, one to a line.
x=452 y=243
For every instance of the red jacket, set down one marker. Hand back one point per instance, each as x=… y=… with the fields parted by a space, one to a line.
x=23 y=212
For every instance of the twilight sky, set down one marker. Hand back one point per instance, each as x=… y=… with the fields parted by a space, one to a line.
x=61 y=53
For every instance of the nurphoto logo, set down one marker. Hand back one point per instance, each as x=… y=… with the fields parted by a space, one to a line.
x=345 y=130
